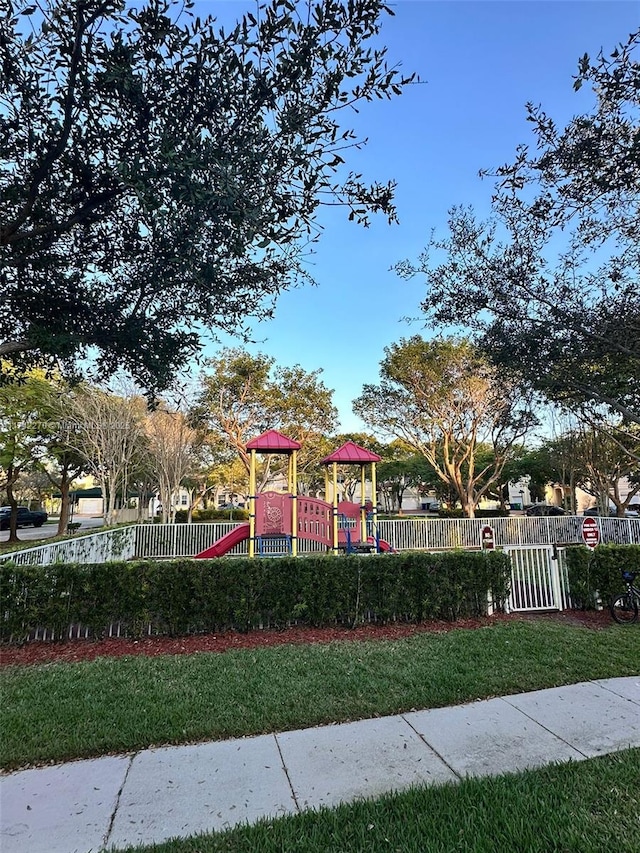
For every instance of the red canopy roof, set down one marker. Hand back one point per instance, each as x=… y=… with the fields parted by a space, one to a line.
x=273 y=441
x=351 y=454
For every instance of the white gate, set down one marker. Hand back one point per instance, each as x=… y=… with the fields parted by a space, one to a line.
x=538 y=579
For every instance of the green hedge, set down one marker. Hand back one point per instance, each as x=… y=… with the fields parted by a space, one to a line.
x=236 y=514
x=188 y=596
x=597 y=573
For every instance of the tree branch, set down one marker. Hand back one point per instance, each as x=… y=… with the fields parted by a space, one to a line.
x=56 y=151
x=19 y=345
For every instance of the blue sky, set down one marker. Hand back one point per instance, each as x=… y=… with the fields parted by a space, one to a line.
x=482 y=61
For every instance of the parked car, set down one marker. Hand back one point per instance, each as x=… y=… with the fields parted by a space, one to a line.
x=26 y=517
x=593 y=510
x=538 y=510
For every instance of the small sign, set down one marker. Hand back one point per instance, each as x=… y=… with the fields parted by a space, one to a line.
x=590 y=532
x=488 y=540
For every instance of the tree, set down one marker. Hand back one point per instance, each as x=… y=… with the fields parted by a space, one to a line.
x=443 y=399
x=159 y=177
x=32 y=485
x=108 y=431
x=171 y=445
x=406 y=471
x=548 y=463
x=216 y=467
x=349 y=476
x=62 y=465
x=498 y=490
x=606 y=462
x=23 y=432
x=549 y=285
x=243 y=395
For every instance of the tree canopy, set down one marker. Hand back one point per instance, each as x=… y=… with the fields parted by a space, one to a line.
x=549 y=284
x=241 y=395
x=160 y=177
x=443 y=399
x=25 y=428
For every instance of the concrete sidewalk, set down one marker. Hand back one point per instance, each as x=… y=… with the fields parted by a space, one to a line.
x=178 y=791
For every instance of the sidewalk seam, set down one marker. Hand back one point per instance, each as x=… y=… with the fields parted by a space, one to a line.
x=117 y=804
x=613 y=692
x=433 y=749
x=542 y=726
x=286 y=773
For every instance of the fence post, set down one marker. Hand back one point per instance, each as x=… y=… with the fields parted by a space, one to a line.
x=490 y=602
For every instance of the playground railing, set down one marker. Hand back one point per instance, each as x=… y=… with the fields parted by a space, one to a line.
x=314 y=522
x=165 y=541
x=432 y=534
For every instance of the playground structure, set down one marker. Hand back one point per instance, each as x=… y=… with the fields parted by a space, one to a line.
x=279 y=520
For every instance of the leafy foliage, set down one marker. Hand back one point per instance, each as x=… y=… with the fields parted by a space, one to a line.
x=25 y=427
x=231 y=514
x=597 y=574
x=183 y=596
x=608 y=461
x=159 y=176
x=568 y=319
x=242 y=395
x=109 y=432
x=601 y=460
x=444 y=399
x=401 y=469
x=172 y=447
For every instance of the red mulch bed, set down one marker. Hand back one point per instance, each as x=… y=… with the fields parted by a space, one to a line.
x=37 y=652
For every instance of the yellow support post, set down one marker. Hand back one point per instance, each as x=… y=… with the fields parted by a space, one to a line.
x=374 y=503
x=335 y=508
x=252 y=503
x=363 y=512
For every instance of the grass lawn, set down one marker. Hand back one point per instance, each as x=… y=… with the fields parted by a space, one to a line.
x=55 y=712
x=587 y=807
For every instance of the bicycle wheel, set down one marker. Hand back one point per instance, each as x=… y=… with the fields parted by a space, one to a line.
x=624 y=608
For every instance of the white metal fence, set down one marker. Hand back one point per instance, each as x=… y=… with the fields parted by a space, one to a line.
x=444 y=533
x=182 y=540
x=162 y=541
x=101 y=547
x=166 y=541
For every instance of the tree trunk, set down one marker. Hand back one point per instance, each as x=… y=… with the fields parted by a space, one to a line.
x=12 y=476
x=503 y=497
x=64 y=506
x=111 y=504
x=469 y=504
x=165 y=500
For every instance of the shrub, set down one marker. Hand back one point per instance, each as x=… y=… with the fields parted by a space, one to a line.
x=597 y=574
x=188 y=596
x=236 y=514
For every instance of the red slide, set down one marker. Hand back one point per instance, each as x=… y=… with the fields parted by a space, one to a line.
x=383 y=545
x=225 y=543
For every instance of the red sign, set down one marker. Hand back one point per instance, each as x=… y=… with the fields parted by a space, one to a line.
x=488 y=542
x=590 y=532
